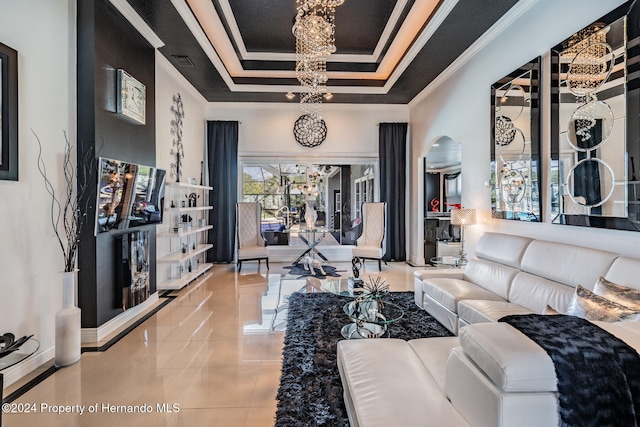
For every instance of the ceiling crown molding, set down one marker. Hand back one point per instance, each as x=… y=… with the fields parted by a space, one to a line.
x=512 y=15
x=138 y=23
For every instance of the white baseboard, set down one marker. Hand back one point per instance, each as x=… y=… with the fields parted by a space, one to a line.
x=415 y=261
x=120 y=322
x=30 y=364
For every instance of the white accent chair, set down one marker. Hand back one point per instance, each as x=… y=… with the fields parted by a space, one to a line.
x=372 y=243
x=252 y=245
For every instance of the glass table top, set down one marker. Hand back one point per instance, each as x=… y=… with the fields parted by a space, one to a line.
x=27 y=349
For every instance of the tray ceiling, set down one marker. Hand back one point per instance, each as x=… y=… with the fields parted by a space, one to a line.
x=244 y=51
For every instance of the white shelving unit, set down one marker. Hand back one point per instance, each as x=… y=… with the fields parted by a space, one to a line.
x=183 y=238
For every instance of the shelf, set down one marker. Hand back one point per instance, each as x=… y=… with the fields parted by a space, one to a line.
x=187 y=185
x=183 y=233
x=175 y=284
x=197 y=208
x=181 y=257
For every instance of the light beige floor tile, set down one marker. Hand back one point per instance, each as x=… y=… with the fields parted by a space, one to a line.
x=210 y=351
x=264 y=393
x=264 y=416
x=224 y=417
x=228 y=386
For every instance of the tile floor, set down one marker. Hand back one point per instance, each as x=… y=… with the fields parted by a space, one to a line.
x=209 y=353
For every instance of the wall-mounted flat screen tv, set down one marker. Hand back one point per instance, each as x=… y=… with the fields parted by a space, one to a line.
x=129 y=195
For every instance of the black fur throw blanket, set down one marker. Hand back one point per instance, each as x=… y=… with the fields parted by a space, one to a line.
x=598 y=374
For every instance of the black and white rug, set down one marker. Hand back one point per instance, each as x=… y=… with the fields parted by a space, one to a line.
x=298 y=269
x=310 y=392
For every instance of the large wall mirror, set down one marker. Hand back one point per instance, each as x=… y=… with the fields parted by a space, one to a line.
x=286 y=190
x=595 y=128
x=515 y=144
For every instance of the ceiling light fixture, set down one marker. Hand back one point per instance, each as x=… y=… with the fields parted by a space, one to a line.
x=314 y=30
x=328 y=96
x=290 y=95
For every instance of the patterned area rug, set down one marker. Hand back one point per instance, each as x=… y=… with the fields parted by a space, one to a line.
x=310 y=392
x=298 y=269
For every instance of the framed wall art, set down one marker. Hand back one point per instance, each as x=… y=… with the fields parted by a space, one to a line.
x=131 y=97
x=8 y=113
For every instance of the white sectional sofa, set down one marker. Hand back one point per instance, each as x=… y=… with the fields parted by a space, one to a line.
x=517 y=275
x=491 y=375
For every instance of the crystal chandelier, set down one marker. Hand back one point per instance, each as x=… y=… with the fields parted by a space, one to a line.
x=314 y=31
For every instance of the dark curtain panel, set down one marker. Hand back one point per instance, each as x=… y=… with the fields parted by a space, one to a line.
x=392 y=150
x=222 y=144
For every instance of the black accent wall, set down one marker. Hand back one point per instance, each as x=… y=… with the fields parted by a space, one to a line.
x=106 y=43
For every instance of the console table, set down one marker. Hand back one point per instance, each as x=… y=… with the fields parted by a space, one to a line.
x=311 y=237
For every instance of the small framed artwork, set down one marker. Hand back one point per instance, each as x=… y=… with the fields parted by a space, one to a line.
x=194 y=181
x=8 y=113
x=131 y=97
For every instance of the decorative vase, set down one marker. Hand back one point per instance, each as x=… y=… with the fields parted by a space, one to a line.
x=68 y=323
x=310 y=215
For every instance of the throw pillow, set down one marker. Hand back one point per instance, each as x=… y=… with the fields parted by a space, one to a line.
x=590 y=306
x=626 y=296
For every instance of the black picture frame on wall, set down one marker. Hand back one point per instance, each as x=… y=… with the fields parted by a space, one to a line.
x=8 y=113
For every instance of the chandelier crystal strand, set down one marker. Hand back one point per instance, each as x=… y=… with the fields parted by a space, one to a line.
x=314 y=31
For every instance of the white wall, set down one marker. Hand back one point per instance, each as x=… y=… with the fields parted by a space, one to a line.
x=169 y=83
x=43 y=33
x=460 y=109
x=267 y=129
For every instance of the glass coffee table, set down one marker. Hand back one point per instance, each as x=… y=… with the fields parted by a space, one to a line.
x=370 y=318
x=342 y=286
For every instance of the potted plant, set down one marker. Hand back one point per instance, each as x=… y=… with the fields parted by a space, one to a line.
x=67 y=214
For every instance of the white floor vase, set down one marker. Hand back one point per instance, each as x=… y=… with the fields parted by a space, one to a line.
x=68 y=324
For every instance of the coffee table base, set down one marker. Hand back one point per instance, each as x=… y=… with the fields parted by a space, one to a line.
x=366 y=330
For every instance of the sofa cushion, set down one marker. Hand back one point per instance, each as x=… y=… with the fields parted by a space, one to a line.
x=511 y=360
x=387 y=384
x=628 y=332
x=448 y=292
x=535 y=292
x=482 y=311
x=625 y=271
x=433 y=353
x=502 y=248
x=490 y=275
x=567 y=264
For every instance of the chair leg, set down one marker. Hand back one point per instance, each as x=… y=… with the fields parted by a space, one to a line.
x=239 y=266
x=267 y=261
x=379 y=265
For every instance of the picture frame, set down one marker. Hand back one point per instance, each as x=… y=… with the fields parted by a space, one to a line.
x=131 y=96
x=8 y=113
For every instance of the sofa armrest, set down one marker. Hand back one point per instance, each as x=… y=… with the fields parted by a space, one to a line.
x=420 y=275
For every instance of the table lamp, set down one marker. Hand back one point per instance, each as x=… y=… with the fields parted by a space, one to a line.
x=463 y=217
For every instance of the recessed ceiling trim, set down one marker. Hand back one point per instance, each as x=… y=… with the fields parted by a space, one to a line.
x=138 y=23
x=187 y=16
x=231 y=67
x=388 y=29
x=435 y=22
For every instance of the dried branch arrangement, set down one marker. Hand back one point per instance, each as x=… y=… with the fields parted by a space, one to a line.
x=69 y=210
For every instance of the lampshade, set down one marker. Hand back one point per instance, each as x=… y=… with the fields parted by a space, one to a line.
x=463 y=216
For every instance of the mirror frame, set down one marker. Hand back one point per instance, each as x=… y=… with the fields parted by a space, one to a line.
x=9 y=113
x=631 y=87
x=534 y=190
